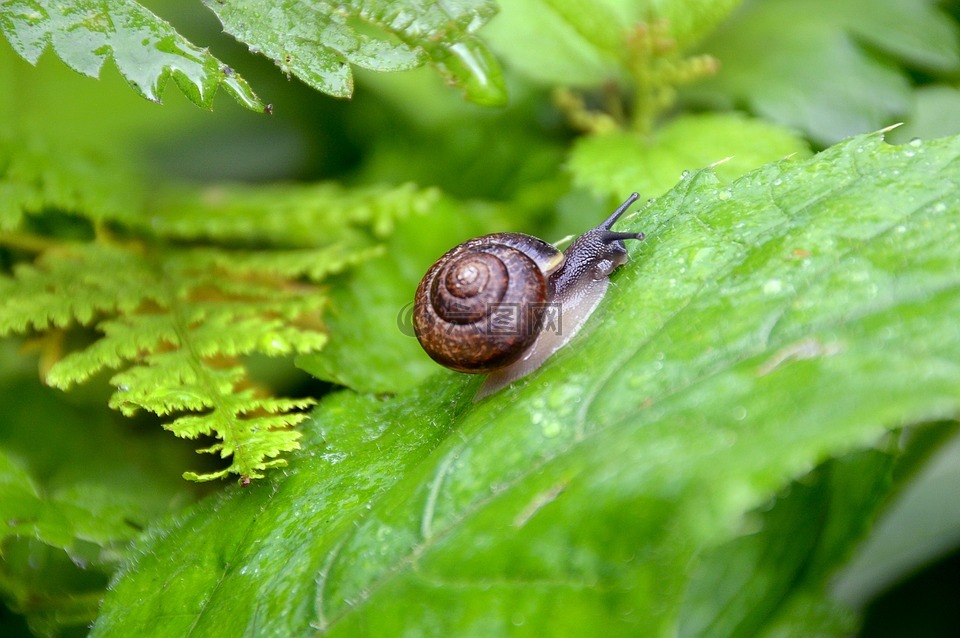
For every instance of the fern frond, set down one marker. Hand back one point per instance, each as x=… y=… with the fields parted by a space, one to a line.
x=173 y=320
x=34 y=176
x=306 y=216
x=147 y=50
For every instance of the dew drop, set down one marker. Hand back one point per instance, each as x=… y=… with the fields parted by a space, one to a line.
x=916 y=142
x=550 y=429
x=724 y=195
x=472 y=67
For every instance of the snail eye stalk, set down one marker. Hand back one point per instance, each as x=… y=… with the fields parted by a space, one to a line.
x=609 y=221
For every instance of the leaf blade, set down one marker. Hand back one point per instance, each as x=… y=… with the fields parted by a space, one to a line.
x=147 y=50
x=318 y=42
x=583 y=493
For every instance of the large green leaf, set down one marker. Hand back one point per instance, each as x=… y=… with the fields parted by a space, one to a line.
x=146 y=50
x=803 y=63
x=318 y=41
x=767 y=325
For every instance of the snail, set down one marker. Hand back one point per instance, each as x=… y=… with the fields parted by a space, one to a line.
x=503 y=303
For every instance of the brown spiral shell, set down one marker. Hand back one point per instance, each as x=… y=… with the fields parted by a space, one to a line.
x=478 y=307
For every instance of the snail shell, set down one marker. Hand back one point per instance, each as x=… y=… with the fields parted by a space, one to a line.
x=503 y=303
x=478 y=307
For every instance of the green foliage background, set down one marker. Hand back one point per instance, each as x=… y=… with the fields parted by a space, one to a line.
x=754 y=435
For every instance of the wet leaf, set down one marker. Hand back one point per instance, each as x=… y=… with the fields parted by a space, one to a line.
x=147 y=51
x=318 y=41
x=792 y=316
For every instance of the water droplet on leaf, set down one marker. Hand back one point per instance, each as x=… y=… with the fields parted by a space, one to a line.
x=473 y=68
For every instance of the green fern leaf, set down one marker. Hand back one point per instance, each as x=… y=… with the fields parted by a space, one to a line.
x=318 y=41
x=34 y=176
x=147 y=50
x=277 y=214
x=174 y=321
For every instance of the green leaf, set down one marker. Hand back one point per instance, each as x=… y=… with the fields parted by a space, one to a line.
x=935 y=113
x=765 y=326
x=814 y=73
x=754 y=582
x=583 y=43
x=306 y=215
x=76 y=486
x=169 y=317
x=34 y=176
x=620 y=162
x=147 y=50
x=921 y=526
x=317 y=42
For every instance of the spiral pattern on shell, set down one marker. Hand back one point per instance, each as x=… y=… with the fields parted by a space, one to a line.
x=478 y=307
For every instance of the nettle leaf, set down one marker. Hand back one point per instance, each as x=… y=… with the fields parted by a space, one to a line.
x=621 y=161
x=815 y=73
x=583 y=43
x=318 y=41
x=147 y=50
x=795 y=315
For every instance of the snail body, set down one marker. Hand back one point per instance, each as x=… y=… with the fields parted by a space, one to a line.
x=503 y=303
